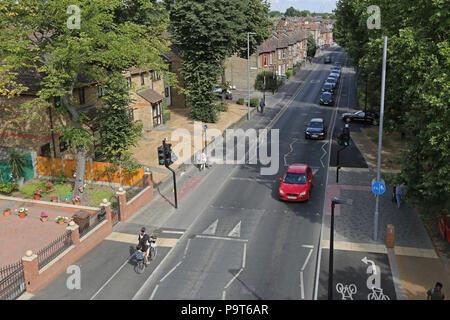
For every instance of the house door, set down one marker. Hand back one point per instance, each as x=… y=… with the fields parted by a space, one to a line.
x=156 y=113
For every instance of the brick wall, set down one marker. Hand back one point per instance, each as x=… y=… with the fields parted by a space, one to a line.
x=236 y=72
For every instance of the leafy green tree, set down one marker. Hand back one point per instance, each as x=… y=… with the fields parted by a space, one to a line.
x=274 y=14
x=272 y=82
x=42 y=35
x=312 y=47
x=206 y=33
x=291 y=12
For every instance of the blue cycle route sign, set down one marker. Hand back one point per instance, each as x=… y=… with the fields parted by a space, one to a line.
x=378 y=187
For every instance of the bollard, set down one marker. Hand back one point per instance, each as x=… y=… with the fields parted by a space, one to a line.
x=390 y=236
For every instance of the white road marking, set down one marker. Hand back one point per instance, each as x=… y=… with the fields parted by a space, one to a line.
x=236 y=232
x=212 y=228
x=201 y=236
x=232 y=279
x=307 y=259
x=307 y=246
x=302 y=290
x=244 y=255
x=173 y=269
x=104 y=285
x=302 y=287
x=172 y=231
x=154 y=292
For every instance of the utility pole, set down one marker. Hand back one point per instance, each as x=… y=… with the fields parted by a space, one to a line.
x=248 y=72
x=380 y=136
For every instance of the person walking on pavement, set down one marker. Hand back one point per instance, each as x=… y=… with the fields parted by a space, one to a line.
x=202 y=161
x=436 y=293
x=398 y=194
x=393 y=194
x=261 y=106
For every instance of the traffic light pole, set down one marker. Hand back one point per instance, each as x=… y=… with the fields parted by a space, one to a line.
x=338 y=167
x=173 y=173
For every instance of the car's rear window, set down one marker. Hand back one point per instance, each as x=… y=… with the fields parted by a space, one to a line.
x=294 y=178
x=315 y=124
x=326 y=95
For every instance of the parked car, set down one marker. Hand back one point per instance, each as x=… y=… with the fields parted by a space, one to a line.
x=334 y=74
x=316 y=129
x=360 y=116
x=228 y=93
x=327 y=59
x=326 y=98
x=328 y=87
x=296 y=183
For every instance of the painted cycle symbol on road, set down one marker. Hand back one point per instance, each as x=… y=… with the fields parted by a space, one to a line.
x=377 y=294
x=347 y=291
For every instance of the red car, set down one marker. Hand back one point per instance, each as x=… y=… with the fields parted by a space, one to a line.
x=296 y=183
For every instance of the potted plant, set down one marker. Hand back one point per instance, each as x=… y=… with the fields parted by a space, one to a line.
x=61 y=220
x=76 y=200
x=54 y=198
x=44 y=216
x=23 y=212
x=7 y=212
x=17 y=163
x=48 y=186
x=37 y=194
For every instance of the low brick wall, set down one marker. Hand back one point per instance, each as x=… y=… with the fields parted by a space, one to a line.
x=36 y=279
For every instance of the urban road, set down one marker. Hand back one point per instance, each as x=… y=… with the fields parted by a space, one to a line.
x=234 y=238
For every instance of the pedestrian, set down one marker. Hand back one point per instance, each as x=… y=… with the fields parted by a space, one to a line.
x=398 y=194
x=203 y=161
x=393 y=194
x=436 y=293
x=261 y=105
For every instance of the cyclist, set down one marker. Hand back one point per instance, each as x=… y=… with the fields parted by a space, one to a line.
x=144 y=244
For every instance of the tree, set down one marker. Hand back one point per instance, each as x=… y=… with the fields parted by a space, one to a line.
x=206 y=33
x=312 y=47
x=42 y=35
x=274 y=14
x=272 y=82
x=291 y=12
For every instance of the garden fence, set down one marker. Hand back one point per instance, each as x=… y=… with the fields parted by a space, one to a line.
x=12 y=281
x=54 y=249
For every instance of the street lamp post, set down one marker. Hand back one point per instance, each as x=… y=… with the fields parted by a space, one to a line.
x=248 y=72
x=331 y=255
x=380 y=136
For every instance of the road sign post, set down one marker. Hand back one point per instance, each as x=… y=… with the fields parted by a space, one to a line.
x=167 y=163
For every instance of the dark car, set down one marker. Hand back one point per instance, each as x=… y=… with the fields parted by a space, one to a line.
x=316 y=129
x=228 y=94
x=360 y=116
x=327 y=59
x=328 y=87
x=332 y=80
x=326 y=98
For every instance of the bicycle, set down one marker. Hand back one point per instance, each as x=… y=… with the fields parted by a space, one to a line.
x=139 y=256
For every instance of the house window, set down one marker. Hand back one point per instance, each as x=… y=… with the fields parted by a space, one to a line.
x=130 y=112
x=57 y=101
x=63 y=145
x=166 y=91
x=279 y=54
x=270 y=59
x=128 y=82
x=284 y=53
x=156 y=76
x=101 y=91
x=45 y=150
x=265 y=60
x=81 y=95
x=142 y=79
x=290 y=51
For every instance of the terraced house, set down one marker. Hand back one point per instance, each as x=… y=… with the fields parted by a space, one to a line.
x=38 y=136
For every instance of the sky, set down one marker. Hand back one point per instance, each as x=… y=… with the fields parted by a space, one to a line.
x=310 y=5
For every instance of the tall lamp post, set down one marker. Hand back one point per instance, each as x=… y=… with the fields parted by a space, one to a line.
x=330 y=266
x=248 y=72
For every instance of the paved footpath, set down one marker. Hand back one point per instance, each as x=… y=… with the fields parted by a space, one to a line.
x=406 y=271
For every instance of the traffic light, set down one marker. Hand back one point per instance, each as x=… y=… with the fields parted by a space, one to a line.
x=346 y=135
x=161 y=157
x=168 y=154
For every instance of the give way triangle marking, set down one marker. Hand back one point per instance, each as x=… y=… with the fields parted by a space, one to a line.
x=236 y=232
x=212 y=228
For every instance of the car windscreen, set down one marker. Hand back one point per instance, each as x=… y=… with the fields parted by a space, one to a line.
x=294 y=178
x=328 y=85
x=326 y=95
x=315 y=124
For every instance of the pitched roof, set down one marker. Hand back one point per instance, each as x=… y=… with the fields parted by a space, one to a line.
x=150 y=95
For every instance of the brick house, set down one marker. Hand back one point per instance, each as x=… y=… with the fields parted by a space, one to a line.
x=147 y=92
